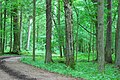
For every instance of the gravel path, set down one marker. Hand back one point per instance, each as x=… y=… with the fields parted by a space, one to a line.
x=12 y=69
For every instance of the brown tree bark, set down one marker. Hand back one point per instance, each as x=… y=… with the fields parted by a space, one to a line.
x=69 y=33
x=108 y=53
x=117 y=50
x=1 y=28
x=48 y=55
x=100 y=43
x=16 y=31
x=34 y=18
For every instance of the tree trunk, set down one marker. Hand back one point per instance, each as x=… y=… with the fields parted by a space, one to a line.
x=90 y=43
x=48 y=56
x=21 y=28
x=11 y=34
x=89 y=47
x=117 y=61
x=108 y=54
x=6 y=41
x=116 y=42
x=59 y=32
x=96 y=25
x=29 y=33
x=34 y=16
x=1 y=28
x=4 y=29
x=100 y=43
x=16 y=29
x=93 y=44
x=77 y=44
x=37 y=39
x=69 y=34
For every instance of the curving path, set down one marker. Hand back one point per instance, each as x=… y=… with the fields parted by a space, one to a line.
x=12 y=69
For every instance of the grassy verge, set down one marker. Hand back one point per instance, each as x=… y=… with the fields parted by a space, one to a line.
x=86 y=70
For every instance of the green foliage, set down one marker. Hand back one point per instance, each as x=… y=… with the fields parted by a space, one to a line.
x=83 y=69
x=86 y=16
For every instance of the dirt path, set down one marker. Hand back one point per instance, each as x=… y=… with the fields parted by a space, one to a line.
x=12 y=69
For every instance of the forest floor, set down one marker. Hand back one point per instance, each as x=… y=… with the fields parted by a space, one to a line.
x=12 y=69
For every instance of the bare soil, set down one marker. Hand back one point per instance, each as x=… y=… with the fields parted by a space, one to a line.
x=12 y=69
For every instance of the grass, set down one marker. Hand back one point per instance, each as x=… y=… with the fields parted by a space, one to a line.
x=83 y=69
x=6 y=54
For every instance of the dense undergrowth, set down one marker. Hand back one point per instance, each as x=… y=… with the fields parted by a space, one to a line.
x=83 y=68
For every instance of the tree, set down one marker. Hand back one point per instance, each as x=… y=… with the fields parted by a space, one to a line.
x=117 y=44
x=59 y=27
x=16 y=30
x=108 y=53
x=34 y=14
x=21 y=27
x=69 y=33
x=96 y=25
x=48 y=55
x=11 y=32
x=76 y=38
x=29 y=33
x=1 y=27
x=4 y=29
x=100 y=43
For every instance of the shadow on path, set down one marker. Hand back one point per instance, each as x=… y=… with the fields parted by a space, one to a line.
x=11 y=72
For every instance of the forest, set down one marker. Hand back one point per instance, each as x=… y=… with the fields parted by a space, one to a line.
x=75 y=38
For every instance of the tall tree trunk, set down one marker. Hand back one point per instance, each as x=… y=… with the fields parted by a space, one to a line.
x=21 y=13
x=48 y=55
x=96 y=25
x=29 y=33
x=6 y=41
x=59 y=27
x=34 y=16
x=89 y=44
x=101 y=57
x=77 y=47
x=93 y=44
x=1 y=28
x=77 y=44
x=116 y=41
x=11 y=34
x=4 y=29
x=69 y=34
x=37 y=39
x=16 y=29
x=108 y=53
x=117 y=50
